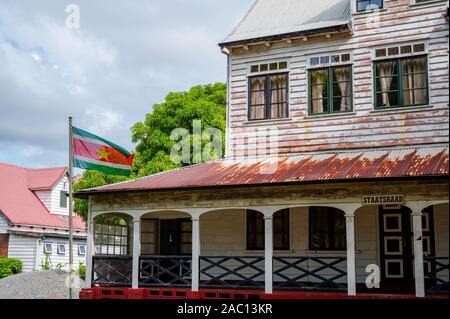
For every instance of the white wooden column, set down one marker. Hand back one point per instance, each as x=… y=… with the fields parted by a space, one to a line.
x=418 y=255
x=90 y=251
x=195 y=268
x=351 y=264
x=136 y=252
x=268 y=254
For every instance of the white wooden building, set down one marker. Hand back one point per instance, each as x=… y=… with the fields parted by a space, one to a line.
x=336 y=165
x=34 y=218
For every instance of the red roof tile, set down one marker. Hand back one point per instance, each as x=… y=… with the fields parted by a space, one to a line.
x=336 y=165
x=20 y=204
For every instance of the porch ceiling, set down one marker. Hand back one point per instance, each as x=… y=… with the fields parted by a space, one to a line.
x=418 y=161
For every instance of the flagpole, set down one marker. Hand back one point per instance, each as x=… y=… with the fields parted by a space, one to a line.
x=70 y=209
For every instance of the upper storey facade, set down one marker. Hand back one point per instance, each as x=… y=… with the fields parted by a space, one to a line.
x=337 y=74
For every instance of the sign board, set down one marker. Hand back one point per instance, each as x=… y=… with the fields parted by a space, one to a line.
x=383 y=200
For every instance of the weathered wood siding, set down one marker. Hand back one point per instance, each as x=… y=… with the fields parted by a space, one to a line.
x=400 y=22
x=60 y=259
x=25 y=248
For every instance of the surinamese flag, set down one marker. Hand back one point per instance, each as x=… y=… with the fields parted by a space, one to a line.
x=94 y=152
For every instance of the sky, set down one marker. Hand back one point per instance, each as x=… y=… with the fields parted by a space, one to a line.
x=125 y=56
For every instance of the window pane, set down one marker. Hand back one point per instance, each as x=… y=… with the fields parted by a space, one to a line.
x=314 y=61
x=282 y=65
x=419 y=47
x=362 y=5
x=406 y=49
x=365 y=5
x=257 y=97
x=326 y=229
x=387 y=81
x=393 y=51
x=278 y=110
x=380 y=53
x=254 y=68
x=273 y=66
x=263 y=67
x=319 y=91
x=341 y=89
x=414 y=81
x=324 y=59
x=278 y=81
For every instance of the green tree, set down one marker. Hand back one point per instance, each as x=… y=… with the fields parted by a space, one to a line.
x=206 y=103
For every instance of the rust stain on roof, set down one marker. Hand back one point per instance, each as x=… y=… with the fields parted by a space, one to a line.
x=337 y=165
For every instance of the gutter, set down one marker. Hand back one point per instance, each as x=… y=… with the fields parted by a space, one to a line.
x=227 y=131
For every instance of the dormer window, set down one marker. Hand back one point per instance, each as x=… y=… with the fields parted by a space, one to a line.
x=268 y=91
x=368 y=5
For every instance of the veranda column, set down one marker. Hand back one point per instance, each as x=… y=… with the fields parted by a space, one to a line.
x=90 y=251
x=418 y=255
x=136 y=252
x=268 y=254
x=351 y=264
x=90 y=247
x=195 y=254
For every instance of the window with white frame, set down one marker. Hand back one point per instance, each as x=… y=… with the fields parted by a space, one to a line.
x=47 y=248
x=61 y=249
x=268 y=85
x=368 y=5
x=401 y=76
x=81 y=250
x=330 y=84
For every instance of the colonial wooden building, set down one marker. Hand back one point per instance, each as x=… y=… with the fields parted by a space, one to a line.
x=34 y=225
x=335 y=173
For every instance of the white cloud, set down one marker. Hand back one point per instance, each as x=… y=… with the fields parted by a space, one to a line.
x=107 y=74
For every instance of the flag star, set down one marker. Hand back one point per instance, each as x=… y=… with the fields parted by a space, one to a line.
x=103 y=153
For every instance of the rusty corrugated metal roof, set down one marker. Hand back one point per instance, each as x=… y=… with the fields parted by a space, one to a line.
x=324 y=166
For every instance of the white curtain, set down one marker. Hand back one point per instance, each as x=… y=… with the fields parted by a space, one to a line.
x=278 y=96
x=343 y=74
x=257 y=98
x=411 y=81
x=386 y=70
x=318 y=82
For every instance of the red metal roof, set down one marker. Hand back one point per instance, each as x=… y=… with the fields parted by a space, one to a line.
x=324 y=166
x=44 y=178
x=20 y=204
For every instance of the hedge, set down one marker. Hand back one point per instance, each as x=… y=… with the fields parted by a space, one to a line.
x=9 y=266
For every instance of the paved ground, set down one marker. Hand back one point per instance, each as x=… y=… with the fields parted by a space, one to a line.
x=49 y=284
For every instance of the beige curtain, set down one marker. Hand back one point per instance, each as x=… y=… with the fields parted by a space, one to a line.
x=278 y=96
x=386 y=69
x=318 y=82
x=411 y=81
x=257 y=98
x=343 y=74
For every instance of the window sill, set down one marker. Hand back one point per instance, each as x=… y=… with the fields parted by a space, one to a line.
x=268 y=121
x=413 y=5
x=326 y=116
x=368 y=12
x=401 y=109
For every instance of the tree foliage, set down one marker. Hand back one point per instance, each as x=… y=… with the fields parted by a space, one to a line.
x=152 y=136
